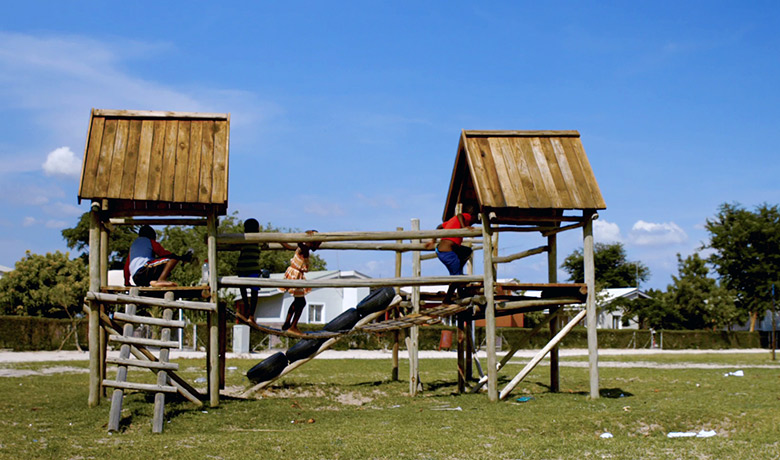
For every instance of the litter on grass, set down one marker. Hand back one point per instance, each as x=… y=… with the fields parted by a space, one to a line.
x=447 y=408
x=606 y=435
x=691 y=434
x=734 y=374
x=524 y=399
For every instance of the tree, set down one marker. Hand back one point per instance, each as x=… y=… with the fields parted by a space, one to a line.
x=120 y=239
x=746 y=254
x=52 y=286
x=701 y=301
x=655 y=312
x=612 y=269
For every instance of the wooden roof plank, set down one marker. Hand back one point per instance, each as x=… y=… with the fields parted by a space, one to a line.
x=523 y=174
x=550 y=190
x=516 y=133
x=507 y=172
x=168 y=171
x=182 y=161
x=155 y=163
x=568 y=177
x=541 y=197
x=152 y=114
x=141 y=191
x=596 y=201
x=493 y=183
x=104 y=162
x=118 y=159
x=91 y=156
x=206 y=162
x=561 y=186
x=219 y=186
x=477 y=168
x=193 y=175
x=131 y=159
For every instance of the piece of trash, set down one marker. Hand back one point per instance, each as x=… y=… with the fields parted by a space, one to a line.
x=204 y=412
x=447 y=408
x=681 y=434
x=734 y=374
x=622 y=395
x=627 y=408
x=606 y=435
x=524 y=398
x=232 y=368
x=201 y=380
x=395 y=407
x=706 y=434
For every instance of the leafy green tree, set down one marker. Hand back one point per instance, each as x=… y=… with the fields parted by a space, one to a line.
x=746 y=254
x=656 y=312
x=119 y=240
x=612 y=268
x=51 y=285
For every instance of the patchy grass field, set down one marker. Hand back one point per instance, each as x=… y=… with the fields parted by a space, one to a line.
x=348 y=409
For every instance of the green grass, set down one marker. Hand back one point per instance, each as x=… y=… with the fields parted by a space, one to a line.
x=358 y=413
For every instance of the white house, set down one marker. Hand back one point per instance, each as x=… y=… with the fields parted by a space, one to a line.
x=322 y=304
x=617 y=319
x=4 y=270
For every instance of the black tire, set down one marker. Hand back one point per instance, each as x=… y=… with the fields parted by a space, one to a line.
x=268 y=368
x=343 y=322
x=303 y=349
x=376 y=300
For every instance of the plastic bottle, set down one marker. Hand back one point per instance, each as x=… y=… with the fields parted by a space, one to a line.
x=204 y=272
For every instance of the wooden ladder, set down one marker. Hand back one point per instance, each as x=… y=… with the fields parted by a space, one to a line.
x=161 y=366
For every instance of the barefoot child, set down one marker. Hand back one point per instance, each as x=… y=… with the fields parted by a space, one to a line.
x=299 y=265
x=248 y=265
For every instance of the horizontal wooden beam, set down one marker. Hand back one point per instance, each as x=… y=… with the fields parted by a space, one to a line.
x=143 y=342
x=159 y=114
x=520 y=255
x=269 y=237
x=236 y=281
x=145 y=364
x=533 y=133
x=158 y=221
x=554 y=231
x=140 y=386
x=123 y=299
x=148 y=320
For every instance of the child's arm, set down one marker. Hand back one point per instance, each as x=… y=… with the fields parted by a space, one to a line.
x=288 y=246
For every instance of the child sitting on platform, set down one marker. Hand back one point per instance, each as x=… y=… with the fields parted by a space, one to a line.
x=148 y=263
x=299 y=265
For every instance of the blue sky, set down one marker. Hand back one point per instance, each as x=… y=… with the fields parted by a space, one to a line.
x=346 y=115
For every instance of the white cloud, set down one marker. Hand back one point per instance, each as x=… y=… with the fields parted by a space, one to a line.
x=323 y=209
x=56 y=224
x=606 y=232
x=29 y=221
x=656 y=234
x=62 y=162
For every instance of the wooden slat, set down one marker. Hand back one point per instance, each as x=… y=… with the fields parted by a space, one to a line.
x=148 y=320
x=561 y=186
x=535 y=190
x=510 y=133
x=182 y=162
x=493 y=182
x=144 y=364
x=219 y=186
x=206 y=162
x=193 y=174
x=544 y=172
x=580 y=174
x=118 y=159
x=568 y=176
x=141 y=191
x=155 y=163
x=104 y=162
x=153 y=301
x=168 y=171
x=143 y=342
x=140 y=386
x=508 y=172
x=131 y=160
x=159 y=114
x=91 y=158
x=478 y=172
x=596 y=200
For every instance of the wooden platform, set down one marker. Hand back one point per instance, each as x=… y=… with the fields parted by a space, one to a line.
x=179 y=292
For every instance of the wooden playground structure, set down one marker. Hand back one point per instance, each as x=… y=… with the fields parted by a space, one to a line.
x=171 y=168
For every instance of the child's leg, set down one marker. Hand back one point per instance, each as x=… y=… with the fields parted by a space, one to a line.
x=244 y=302
x=297 y=306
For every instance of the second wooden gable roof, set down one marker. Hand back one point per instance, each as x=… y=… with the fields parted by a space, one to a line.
x=172 y=157
x=524 y=170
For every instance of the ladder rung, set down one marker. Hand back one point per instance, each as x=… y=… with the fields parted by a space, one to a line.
x=140 y=386
x=144 y=364
x=147 y=320
x=144 y=342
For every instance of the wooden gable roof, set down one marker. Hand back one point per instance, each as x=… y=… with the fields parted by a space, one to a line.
x=517 y=173
x=157 y=160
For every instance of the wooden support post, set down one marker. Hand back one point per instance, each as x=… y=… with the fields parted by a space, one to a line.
x=552 y=277
x=162 y=376
x=469 y=330
x=397 y=332
x=590 y=303
x=104 y=251
x=213 y=365
x=490 y=308
x=94 y=309
x=414 y=372
x=461 y=354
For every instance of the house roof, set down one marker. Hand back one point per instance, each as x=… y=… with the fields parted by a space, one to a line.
x=4 y=269
x=523 y=174
x=629 y=293
x=165 y=161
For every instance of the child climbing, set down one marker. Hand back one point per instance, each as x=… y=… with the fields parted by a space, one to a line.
x=150 y=264
x=248 y=265
x=299 y=265
x=450 y=250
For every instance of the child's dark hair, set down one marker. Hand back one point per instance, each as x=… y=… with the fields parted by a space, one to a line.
x=147 y=232
x=251 y=226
